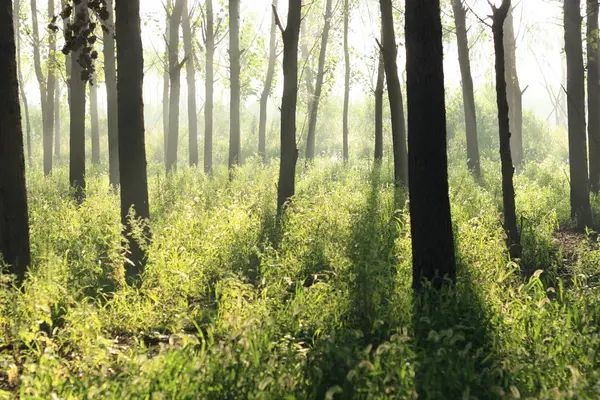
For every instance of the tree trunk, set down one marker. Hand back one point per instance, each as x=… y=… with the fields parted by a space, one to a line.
x=346 y=82
x=166 y=86
x=467 y=87
x=210 y=82
x=112 y=110
x=37 y=63
x=77 y=115
x=264 y=98
x=14 y=219
x=513 y=90
x=593 y=93
x=191 y=85
x=175 y=83
x=580 y=196
x=132 y=150
x=379 y=110
x=289 y=150
x=57 y=121
x=17 y=27
x=309 y=78
x=234 y=105
x=390 y=53
x=93 y=87
x=50 y=88
x=431 y=225
x=68 y=64
x=314 y=108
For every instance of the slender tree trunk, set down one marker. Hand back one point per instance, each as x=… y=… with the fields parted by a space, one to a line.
x=289 y=150
x=593 y=88
x=309 y=78
x=68 y=65
x=390 y=53
x=37 y=63
x=508 y=189
x=346 y=82
x=234 y=105
x=264 y=98
x=57 y=121
x=14 y=219
x=50 y=88
x=191 y=85
x=580 y=195
x=112 y=109
x=431 y=225
x=132 y=151
x=210 y=82
x=93 y=88
x=175 y=82
x=166 y=78
x=513 y=92
x=17 y=26
x=314 y=109
x=467 y=87
x=379 y=88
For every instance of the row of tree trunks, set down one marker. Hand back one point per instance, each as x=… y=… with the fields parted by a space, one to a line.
x=234 y=78
x=17 y=27
x=264 y=97
x=48 y=123
x=175 y=67
x=190 y=66
x=167 y=63
x=209 y=95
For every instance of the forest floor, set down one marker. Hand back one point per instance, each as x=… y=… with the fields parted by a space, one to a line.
x=233 y=307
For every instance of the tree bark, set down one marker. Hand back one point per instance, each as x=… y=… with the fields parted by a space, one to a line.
x=132 y=150
x=190 y=74
x=234 y=104
x=37 y=63
x=57 y=121
x=166 y=85
x=593 y=87
x=175 y=67
x=50 y=88
x=264 y=98
x=14 y=219
x=346 y=82
x=17 y=27
x=77 y=115
x=379 y=88
x=580 y=196
x=289 y=150
x=95 y=128
x=513 y=89
x=460 y=19
x=112 y=111
x=314 y=108
x=390 y=53
x=210 y=82
x=431 y=225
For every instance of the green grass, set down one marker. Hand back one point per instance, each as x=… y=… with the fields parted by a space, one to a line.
x=231 y=307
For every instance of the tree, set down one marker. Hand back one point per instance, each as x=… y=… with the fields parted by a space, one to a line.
x=14 y=219
x=112 y=111
x=175 y=67
x=57 y=120
x=264 y=97
x=314 y=104
x=379 y=109
x=234 y=77
x=95 y=128
x=190 y=74
x=132 y=151
x=390 y=52
x=513 y=90
x=467 y=87
x=166 y=78
x=580 y=197
x=210 y=82
x=593 y=87
x=346 y=82
x=508 y=189
x=77 y=111
x=17 y=26
x=289 y=150
x=431 y=225
x=50 y=89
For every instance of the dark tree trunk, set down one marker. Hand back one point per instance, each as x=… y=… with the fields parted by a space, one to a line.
x=431 y=225
x=513 y=90
x=289 y=150
x=467 y=87
x=390 y=53
x=175 y=82
x=112 y=111
x=77 y=115
x=166 y=86
x=50 y=88
x=37 y=64
x=14 y=220
x=190 y=74
x=508 y=189
x=314 y=105
x=210 y=82
x=95 y=128
x=234 y=105
x=593 y=88
x=346 y=82
x=580 y=192
x=132 y=151
x=264 y=98
x=379 y=110
x=68 y=65
x=17 y=26
x=57 y=121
